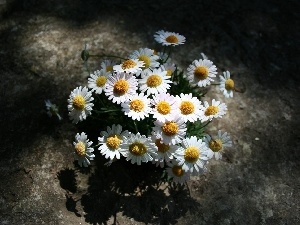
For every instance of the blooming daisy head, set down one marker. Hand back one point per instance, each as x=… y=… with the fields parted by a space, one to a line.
x=110 y=141
x=120 y=87
x=192 y=154
x=215 y=110
x=80 y=104
x=147 y=56
x=164 y=152
x=138 y=148
x=129 y=66
x=52 y=109
x=201 y=72
x=169 y=38
x=83 y=151
x=137 y=107
x=171 y=132
x=177 y=173
x=107 y=65
x=169 y=67
x=165 y=106
x=189 y=107
x=226 y=84
x=154 y=82
x=216 y=145
x=97 y=80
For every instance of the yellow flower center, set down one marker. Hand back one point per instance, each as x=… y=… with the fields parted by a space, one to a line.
x=146 y=60
x=215 y=145
x=80 y=149
x=137 y=105
x=170 y=128
x=211 y=110
x=191 y=154
x=177 y=171
x=113 y=141
x=78 y=102
x=154 y=81
x=163 y=107
x=121 y=87
x=201 y=72
x=169 y=72
x=128 y=64
x=161 y=147
x=109 y=68
x=137 y=149
x=229 y=84
x=172 y=39
x=101 y=80
x=187 y=107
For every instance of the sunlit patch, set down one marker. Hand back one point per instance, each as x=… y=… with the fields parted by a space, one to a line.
x=80 y=149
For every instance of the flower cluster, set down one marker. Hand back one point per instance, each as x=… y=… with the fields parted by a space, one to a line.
x=157 y=110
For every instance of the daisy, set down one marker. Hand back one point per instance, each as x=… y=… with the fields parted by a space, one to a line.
x=164 y=152
x=107 y=65
x=147 y=56
x=120 y=87
x=138 y=148
x=192 y=154
x=171 y=132
x=97 y=80
x=129 y=66
x=154 y=82
x=165 y=106
x=83 y=151
x=176 y=172
x=52 y=109
x=201 y=71
x=169 y=67
x=169 y=38
x=164 y=57
x=80 y=104
x=217 y=145
x=189 y=107
x=110 y=141
x=138 y=107
x=215 y=110
x=226 y=84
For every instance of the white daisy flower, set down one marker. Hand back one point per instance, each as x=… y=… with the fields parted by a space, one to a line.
x=120 y=87
x=147 y=56
x=215 y=110
x=107 y=65
x=164 y=57
x=80 y=104
x=129 y=66
x=165 y=106
x=189 y=107
x=177 y=174
x=201 y=72
x=52 y=109
x=97 y=80
x=169 y=38
x=110 y=141
x=169 y=67
x=164 y=152
x=154 y=82
x=138 y=107
x=203 y=56
x=171 y=132
x=83 y=151
x=217 y=145
x=226 y=84
x=138 y=148
x=192 y=154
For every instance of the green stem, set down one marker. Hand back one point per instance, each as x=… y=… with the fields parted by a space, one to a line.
x=206 y=124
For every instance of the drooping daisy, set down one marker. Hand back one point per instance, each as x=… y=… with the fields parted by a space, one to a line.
x=171 y=132
x=83 y=151
x=120 y=87
x=215 y=110
x=217 y=144
x=203 y=55
x=226 y=84
x=165 y=106
x=138 y=148
x=169 y=67
x=192 y=154
x=176 y=172
x=169 y=38
x=110 y=141
x=147 y=56
x=154 y=82
x=107 y=65
x=129 y=66
x=52 y=109
x=97 y=80
x=189 y=107
x=164 y=152
x=201 y=72
x=138 y=107
x=80 y=104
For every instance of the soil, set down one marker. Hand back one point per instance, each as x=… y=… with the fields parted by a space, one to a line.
x=256 y=182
